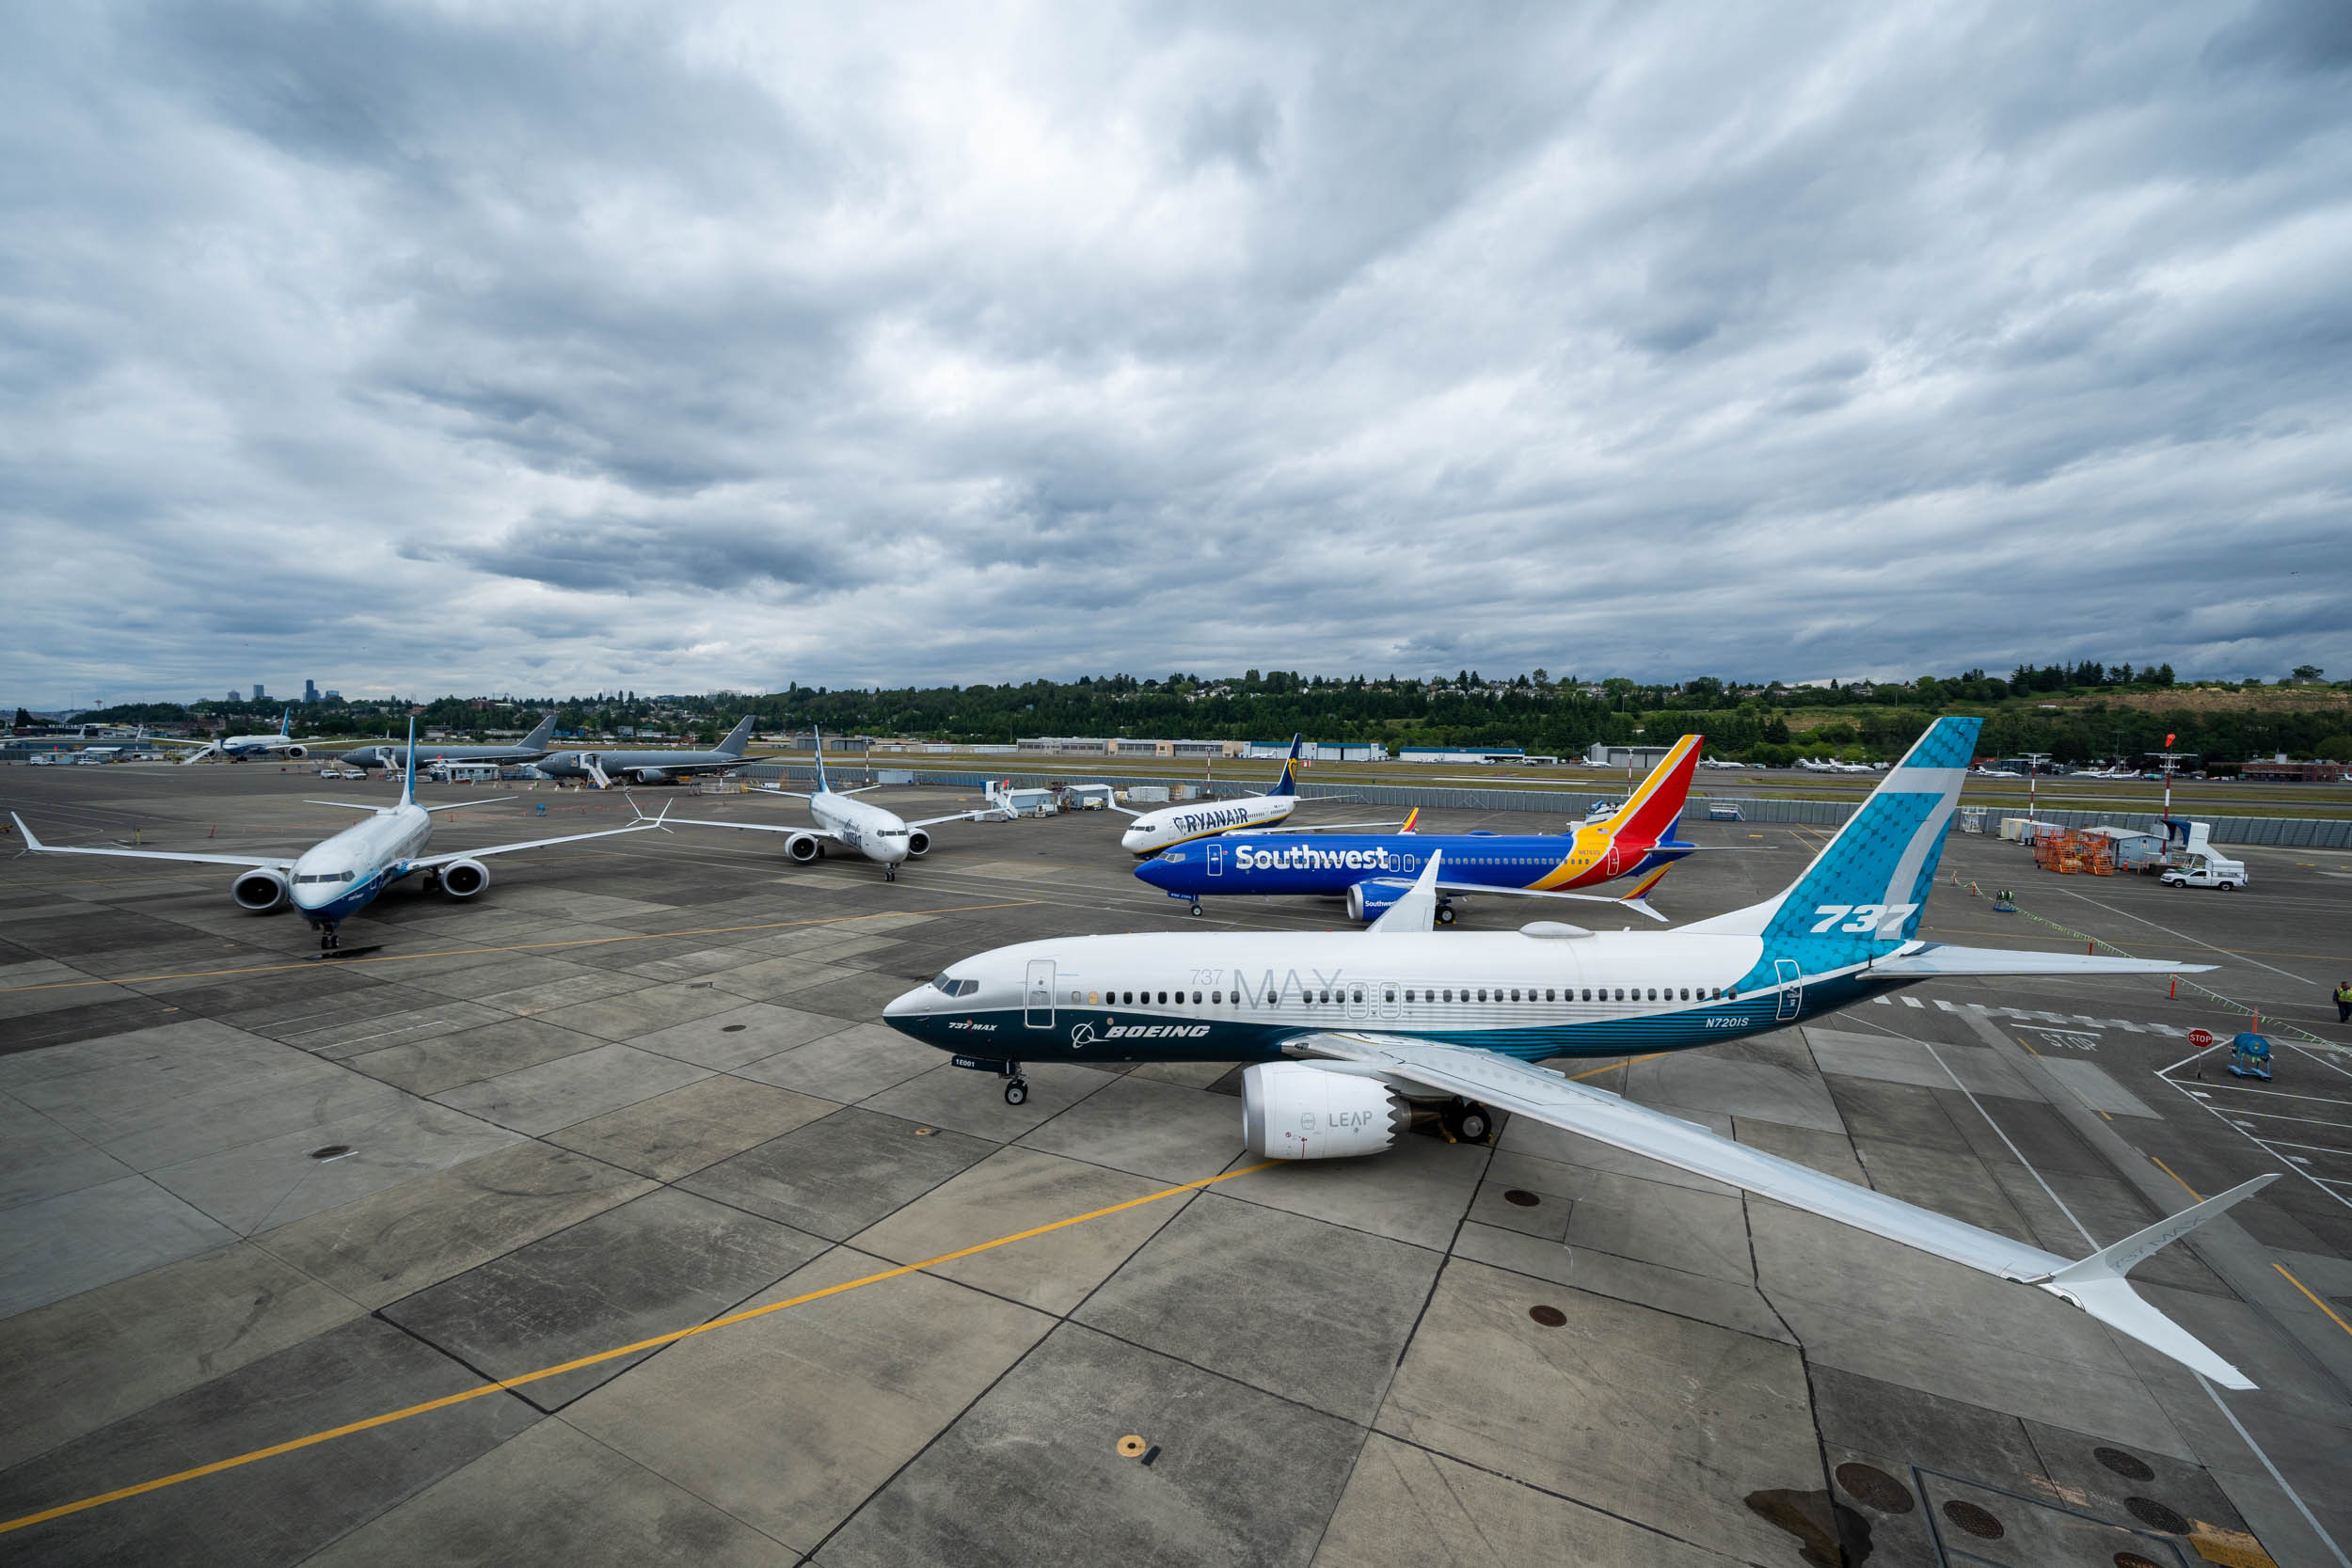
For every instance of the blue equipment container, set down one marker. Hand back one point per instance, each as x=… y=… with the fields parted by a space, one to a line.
x=2250 y=1057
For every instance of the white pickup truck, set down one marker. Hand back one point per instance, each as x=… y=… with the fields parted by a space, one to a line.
x=2226 y=875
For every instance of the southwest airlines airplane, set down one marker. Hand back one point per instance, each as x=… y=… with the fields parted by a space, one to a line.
x=1372 y=871
x=881 y=836
x=335 y=879
x=1350 y=1032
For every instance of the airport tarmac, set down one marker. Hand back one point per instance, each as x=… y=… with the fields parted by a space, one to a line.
x=278 y=1228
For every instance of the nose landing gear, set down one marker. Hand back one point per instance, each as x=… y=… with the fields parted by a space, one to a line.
x=890 y=873
x=1196 y=908
x=1016 y=1087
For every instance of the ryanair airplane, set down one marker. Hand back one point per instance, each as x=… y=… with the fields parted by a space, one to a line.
x=1373 y=871
x=1154 y=831
x=1350 y=1035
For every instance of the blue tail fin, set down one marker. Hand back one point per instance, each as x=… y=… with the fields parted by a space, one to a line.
x=408 y=784
x=816 y=738
x=1288 y=784
x=1861 y=896
x=285 y=722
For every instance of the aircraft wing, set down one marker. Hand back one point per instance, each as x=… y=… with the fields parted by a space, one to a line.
x=33 y=845
x=1635 y=901
x=990 y=815
x=430 y=861
x=1316 y=828
x=2094 y=1284
x=357 y=805
x=746 y=826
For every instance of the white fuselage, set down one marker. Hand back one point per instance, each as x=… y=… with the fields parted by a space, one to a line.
x=879 y=835
x=340 y=875
x=1154 y=831
x=1236 y=995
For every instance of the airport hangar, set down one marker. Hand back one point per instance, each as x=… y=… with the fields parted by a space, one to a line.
x=639 y=1089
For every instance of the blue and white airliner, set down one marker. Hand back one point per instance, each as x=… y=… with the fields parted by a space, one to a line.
x=336 y=878
x=237 y=748
x=1350 y=1035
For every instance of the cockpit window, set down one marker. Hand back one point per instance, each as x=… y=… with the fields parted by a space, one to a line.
x=954 y=987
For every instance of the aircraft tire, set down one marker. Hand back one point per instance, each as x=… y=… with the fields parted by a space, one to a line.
x=1017 y=1092
x=1445 y=914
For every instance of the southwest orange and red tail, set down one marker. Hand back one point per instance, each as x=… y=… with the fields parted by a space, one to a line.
x=1649 y=813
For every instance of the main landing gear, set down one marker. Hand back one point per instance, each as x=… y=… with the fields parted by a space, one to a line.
x=1467 y=1121
x=1016 y=1087
x=1444 y=915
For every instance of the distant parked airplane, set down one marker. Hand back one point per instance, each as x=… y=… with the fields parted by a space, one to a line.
x=530 y=747
x=337 y=877
x=651 y=767
x=237 y=748
x=881 y=836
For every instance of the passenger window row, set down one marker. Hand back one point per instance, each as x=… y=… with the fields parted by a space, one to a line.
x=1355 y=995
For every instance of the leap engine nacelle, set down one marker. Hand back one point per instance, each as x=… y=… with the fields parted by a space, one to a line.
x=1296 y=1111
x=1367 y=900
x=918 y=844
x=261 y=890
x=803 y=847
x=464 y=879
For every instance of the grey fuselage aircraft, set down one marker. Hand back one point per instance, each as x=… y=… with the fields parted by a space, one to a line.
x=651 y=767
x=881 y=836
x=530 y=747
x=1351 y=1037
x=337 y=877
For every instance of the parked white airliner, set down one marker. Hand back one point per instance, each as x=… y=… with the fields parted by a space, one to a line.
x=1154 y=831
x=881 y=836
x=236 y=748
x=1350 y=1034
x=341 y=876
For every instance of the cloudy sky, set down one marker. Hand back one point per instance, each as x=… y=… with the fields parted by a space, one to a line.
x=557 y=347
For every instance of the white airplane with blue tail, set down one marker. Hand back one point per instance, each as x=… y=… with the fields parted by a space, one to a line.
x=1351 y=1036
x=337 y=877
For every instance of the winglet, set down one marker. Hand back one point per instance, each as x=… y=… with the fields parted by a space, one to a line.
x=1417 y=909
x=1638 y=899
x=32 y=844
x=2096 y=1284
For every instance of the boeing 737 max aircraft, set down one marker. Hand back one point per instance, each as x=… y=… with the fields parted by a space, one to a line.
x=336 y=878
x=1350 y=1032
x=881 y=836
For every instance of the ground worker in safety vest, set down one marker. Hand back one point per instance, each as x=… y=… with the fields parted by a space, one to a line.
x=2344 y=1002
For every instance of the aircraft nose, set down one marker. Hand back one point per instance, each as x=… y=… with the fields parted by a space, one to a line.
x=904 y=1011
x=1154 y=871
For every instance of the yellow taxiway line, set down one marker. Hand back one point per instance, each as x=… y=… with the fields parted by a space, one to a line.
x=388 y=1418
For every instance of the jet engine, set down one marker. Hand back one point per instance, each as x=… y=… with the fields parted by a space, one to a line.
x=1369 y=899
x=803 y=847
x=919 y=842
x=297 y=751
x=261 y=890
x=1297 y=1111
x=464 y=879
x=648 y=775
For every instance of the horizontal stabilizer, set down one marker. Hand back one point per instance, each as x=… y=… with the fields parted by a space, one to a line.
x=1930 y=962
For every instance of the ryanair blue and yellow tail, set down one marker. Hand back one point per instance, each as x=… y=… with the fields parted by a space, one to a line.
x=1288 y=784
x=1861 y=896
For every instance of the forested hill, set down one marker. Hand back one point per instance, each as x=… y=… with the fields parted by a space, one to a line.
x=2078 y=713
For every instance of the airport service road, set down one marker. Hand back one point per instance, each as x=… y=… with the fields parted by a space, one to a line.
x=775 y=1285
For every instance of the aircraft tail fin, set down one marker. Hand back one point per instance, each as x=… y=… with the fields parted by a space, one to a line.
x=1411 y=818
x=285 y=722
x=408 y=780
x=541 y=732
x=1288 y=783
x=1861 y=896
x=817 y=743
x=738 y=737
x=1650 y=813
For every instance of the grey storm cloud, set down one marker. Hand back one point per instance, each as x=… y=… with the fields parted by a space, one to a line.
x=544 y=347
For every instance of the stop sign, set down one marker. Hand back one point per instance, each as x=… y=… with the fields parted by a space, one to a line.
x=2200 y=1037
